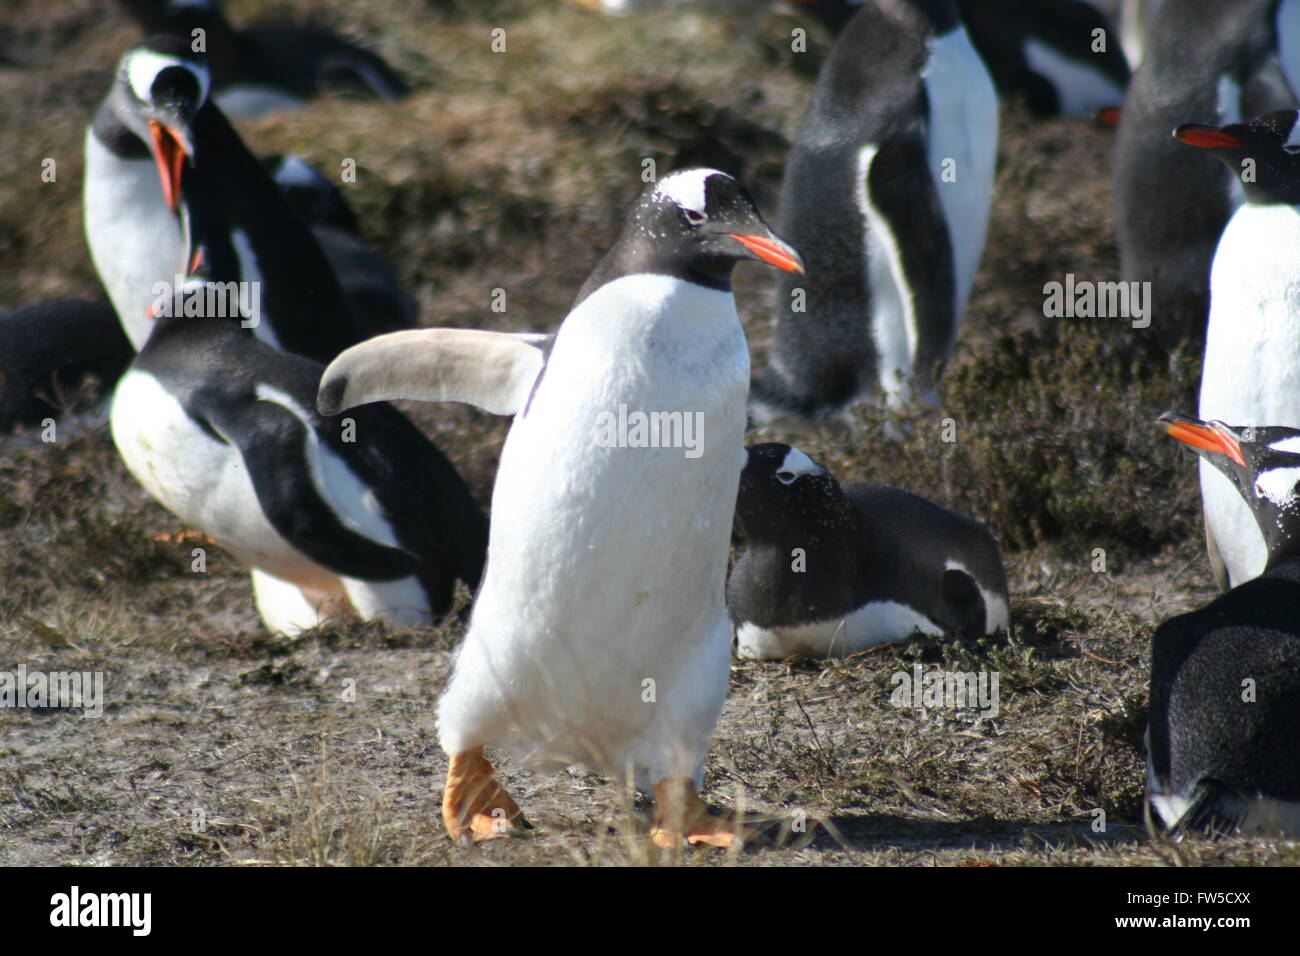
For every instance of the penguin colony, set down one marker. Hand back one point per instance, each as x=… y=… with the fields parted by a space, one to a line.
x=255 y=344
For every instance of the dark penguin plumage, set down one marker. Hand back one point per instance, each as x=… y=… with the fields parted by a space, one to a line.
x=891 y=245
x=1208 y=62
x=1040 y=50
x=830 y=570
x=368 y=282
x=262 y=68
x=47 y=349
x=160 y=97
x=1225 y=679
x=222 y=429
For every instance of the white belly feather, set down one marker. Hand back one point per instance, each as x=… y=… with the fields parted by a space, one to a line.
x=134 y=239
x=1252 y=359
x=600 y=634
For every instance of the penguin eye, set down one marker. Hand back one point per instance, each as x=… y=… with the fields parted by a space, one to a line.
x=694 y=216
x=786 y=477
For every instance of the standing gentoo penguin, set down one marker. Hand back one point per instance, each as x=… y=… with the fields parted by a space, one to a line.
x=887 y=194
x=1251 y=370
x=1217 y=63
x=600 y=635
x=1221 y=741
x=159 y=97
x=259 y=69
x=1043 y=51
x=220 y=428
x=829 y=571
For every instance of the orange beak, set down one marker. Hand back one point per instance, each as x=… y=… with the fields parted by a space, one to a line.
x=170 y=156
x=1205 y=137
x=772 y=251
x=1108 y=116
x=1205 y=436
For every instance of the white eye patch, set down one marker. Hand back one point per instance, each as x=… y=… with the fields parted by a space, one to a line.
x=686 y=188
x=1292 y=144
x=143 y=67
x=1277 y=485
x=796 y=465
x=1290 y=443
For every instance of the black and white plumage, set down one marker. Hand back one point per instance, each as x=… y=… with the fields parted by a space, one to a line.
x=887 y=194
x=580 y=602
x=262 y=68
x=330 y=515
x=1212 y=63
x=1225 y=679
x=828 y=570
x=1251 y=370
x=157 y=129
x=371 y=288
x=48 y=348
x=1044 y=51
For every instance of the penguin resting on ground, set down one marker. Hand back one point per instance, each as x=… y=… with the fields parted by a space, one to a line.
x=333 y=516
x=48 y=348
x=887 y=193
x=1251 y=370
x=600 y=635
x=1221 y=740
x=829 y=571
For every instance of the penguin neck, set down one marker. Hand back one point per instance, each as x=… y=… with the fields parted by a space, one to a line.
x=115 y=136
x=629 y=258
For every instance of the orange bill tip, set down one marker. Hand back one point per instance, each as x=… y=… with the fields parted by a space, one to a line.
x=1204 y=436
x=1205 y=137
x=772 y=251
x=170 y=156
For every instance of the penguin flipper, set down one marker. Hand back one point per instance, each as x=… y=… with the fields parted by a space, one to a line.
x=492 y=370
x=274 y=442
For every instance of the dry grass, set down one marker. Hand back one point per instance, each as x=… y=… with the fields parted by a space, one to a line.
x=220 y=745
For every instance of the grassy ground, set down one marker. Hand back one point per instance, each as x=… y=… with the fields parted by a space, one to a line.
x=220 y=744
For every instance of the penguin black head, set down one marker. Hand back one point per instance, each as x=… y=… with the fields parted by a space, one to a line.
x=1263 y=464
x=693 y=224
x=784 y=494
x=1264 y=154
x=161 y=85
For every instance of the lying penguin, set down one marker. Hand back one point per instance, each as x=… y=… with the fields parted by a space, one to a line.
x=830 y=570
x=1223 y=727
x=362 y=515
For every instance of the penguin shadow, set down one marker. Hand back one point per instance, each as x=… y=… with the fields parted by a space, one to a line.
x=891 y=831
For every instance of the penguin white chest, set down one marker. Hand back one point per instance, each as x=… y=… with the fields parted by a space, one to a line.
x=134 y=239
x=962 y=145
x=1252 y=359
x=600 y=634
x=200 y=479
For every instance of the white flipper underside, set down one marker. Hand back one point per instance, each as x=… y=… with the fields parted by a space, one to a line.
x=492 y=370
